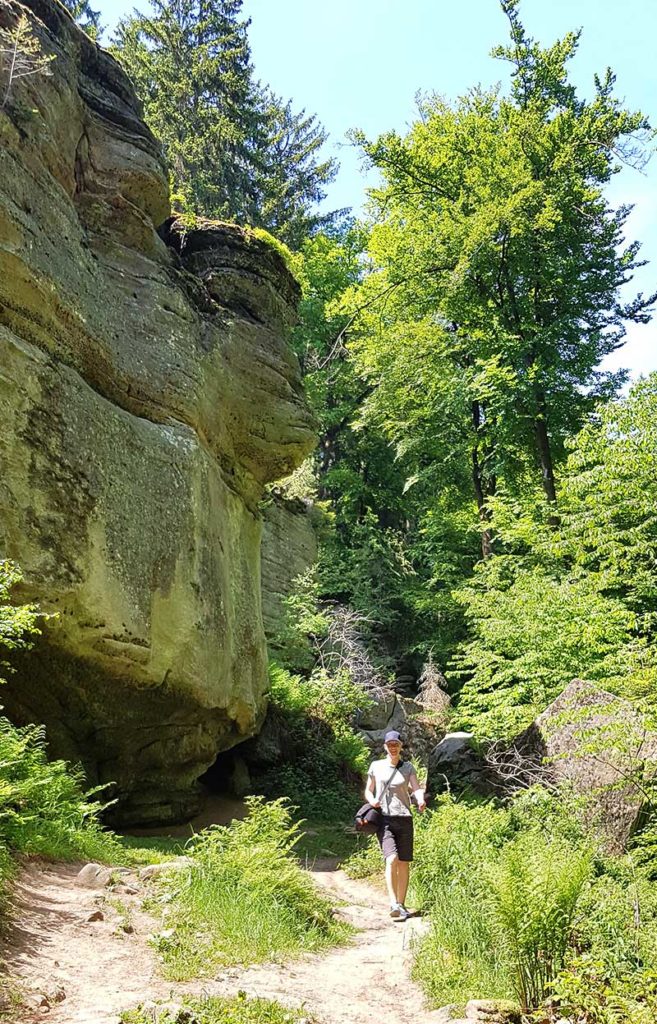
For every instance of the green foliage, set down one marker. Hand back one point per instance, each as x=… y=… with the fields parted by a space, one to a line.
x=365 y=861
x=324 y=758
x=86 y=17
x=497 y=263
x=21 y=54
x=534 y=891
x=244 y=899
x=222 y=1010
x=591 y=990
x=576 y=599
x=190 y=63
x=139 y=850
x=235 y=150
x=291 y=177
x=43 y=807
x=501 y=901
x=304 y=624
x=18 y=623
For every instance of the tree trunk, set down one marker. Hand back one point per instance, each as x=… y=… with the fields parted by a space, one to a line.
x=480 y=487
x=544 y=452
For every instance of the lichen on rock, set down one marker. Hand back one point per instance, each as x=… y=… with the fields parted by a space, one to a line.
x=147 y=395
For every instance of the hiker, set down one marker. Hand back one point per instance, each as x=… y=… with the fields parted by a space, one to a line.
x=390 y=783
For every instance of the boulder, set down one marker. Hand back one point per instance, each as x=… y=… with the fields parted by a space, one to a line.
x=492 y=1011
x=418 y=727
x=94 y=876
x=599 y=745
x=147 y=394
x=453 y=763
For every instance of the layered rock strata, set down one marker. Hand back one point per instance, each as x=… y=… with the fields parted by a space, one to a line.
x=147 y=394
x=289 y=551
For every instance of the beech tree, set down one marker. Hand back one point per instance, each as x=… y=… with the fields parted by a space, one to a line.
x=495 y=239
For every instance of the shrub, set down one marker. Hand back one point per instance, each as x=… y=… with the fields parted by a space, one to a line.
x=534 y=890
x=501 y=902
x=245 y=897
x=462 y=957
x=43 y=807
x=324 y=758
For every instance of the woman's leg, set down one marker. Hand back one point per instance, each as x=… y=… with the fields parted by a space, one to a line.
x=392 y=878
x=403 y=871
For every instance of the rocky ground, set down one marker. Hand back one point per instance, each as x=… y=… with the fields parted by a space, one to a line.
x=80 y=954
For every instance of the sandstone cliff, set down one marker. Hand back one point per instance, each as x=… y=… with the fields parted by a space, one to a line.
x=289 y=550
x=147 y=394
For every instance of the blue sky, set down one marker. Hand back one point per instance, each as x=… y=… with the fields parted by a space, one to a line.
x=359 y=64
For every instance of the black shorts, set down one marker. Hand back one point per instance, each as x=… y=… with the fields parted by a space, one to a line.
x=396 y=837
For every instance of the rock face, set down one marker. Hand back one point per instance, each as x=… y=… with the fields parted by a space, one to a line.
x=147 y=394
x=289 y=549
x=453 y=763
x=418 y=727
x=599 y=745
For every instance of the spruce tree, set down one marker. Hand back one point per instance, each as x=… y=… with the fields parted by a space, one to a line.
x=85 y=16
x=191 y=63
x=291 y=176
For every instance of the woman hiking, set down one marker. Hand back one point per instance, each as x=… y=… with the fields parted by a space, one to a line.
x=390 y=783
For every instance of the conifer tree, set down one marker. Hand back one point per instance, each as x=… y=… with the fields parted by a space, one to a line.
x=292 y=177
x=191 y=63
x=85 y=16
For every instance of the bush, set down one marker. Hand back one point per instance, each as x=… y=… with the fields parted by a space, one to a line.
x=534 y=890
x=462 y=957
x=325 y=759
x=501 y=902
x=244 y=899
x=43 y=807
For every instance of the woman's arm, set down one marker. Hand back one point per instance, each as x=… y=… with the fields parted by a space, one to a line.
x=417 y=791
x=370 y=791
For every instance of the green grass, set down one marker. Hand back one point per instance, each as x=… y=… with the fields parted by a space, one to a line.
x=501 y=894
x=366 y=860
x=222 y=1010
x=138 y=850
x=317 y=839
x=244 y=899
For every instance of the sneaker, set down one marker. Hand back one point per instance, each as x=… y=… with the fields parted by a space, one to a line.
x=402 y=913
x=394 y=911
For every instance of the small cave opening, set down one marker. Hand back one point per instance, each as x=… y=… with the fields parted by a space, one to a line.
x=228 y=776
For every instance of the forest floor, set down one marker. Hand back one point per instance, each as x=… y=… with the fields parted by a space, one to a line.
x=81 y=955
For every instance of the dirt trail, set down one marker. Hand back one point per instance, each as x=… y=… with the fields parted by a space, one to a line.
x=102 y=970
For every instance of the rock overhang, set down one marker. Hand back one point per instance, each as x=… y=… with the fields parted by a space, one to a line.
x=148 y=393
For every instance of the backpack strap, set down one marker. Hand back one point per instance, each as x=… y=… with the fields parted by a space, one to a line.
x=394 y=772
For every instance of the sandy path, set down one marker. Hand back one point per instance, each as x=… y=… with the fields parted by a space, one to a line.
x=102 y=970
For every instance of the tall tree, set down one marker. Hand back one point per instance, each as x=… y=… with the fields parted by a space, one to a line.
x=85 y=16
x=191 y=63
x=292 y=176
x=494 y=232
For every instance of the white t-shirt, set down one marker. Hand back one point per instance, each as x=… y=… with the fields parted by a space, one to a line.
x=396 y=801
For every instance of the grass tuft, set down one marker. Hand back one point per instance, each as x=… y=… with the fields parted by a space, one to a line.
x=244 y=899
x=219 y=1010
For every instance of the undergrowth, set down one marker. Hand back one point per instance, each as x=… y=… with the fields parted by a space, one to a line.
x=524 y=906
x=44 y=809
x=244 y=899
x=324 y=759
